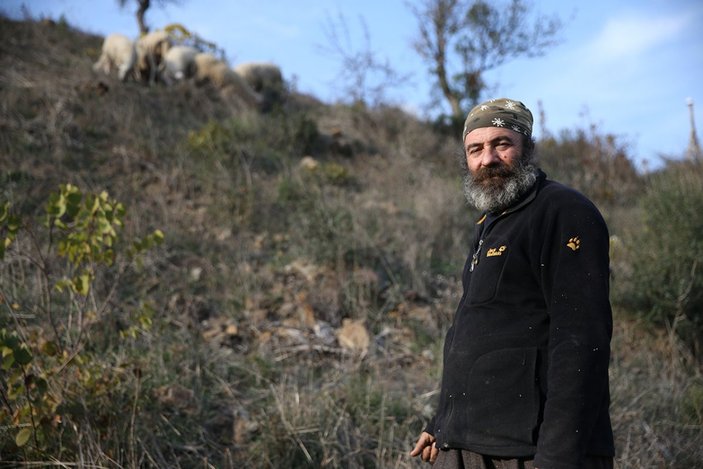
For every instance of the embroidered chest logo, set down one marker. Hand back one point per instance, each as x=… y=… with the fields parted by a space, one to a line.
x=574 y=243
x=496 y=251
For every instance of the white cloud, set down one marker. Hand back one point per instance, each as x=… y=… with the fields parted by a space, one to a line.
x=630 y=36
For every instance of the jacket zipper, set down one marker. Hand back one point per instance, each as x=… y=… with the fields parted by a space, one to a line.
x=484 y=233
x=476 y=255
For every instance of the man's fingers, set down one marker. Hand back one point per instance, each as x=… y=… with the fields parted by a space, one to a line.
x=422 y=443
x=434 y=452
x=418 y=447
x=430 y=453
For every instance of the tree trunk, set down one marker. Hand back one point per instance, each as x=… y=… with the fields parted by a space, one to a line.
x=452 y=98
x=441 y=20
x=141 y=11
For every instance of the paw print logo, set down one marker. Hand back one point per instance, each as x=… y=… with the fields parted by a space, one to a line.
x=574 y=243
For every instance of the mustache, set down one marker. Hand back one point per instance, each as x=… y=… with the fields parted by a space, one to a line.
x=501 y=171
x=496 y=187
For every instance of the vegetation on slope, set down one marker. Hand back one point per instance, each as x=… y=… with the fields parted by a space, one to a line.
x=294 y=313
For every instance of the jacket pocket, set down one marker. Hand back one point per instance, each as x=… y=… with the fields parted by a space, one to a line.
x=503 y=398
x=488 y=271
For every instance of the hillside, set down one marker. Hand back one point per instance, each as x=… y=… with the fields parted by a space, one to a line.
x=294 y=314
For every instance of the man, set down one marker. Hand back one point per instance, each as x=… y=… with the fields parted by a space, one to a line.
x=525 y=377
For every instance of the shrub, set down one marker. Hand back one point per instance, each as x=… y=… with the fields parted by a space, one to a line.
x=665 y=252
x=56 y=283
x=597 y=165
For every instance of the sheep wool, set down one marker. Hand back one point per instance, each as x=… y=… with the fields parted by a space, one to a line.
x=151 y=49
x=118 y=52
x=204 y=62
x=261 y=75
x=219 y=75
x=179 y=63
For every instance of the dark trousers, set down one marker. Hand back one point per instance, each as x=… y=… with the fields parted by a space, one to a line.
x=462 y=459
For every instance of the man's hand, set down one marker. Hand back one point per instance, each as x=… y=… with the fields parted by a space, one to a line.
x=425 y=448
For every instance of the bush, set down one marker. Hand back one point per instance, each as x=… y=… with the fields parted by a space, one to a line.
x=597 y=165
x=57 y=280
x=664 y=281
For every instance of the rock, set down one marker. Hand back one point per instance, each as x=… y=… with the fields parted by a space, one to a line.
x=354 y=337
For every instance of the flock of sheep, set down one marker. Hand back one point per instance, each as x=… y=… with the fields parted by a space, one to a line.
x=154 y=58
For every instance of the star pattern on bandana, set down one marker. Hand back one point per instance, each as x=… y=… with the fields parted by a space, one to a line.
x=501 y=113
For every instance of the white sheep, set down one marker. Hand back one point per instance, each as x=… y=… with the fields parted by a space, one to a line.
x=203 y=64
x=265 y=78
x=118 y=52
x=218 y=74
x=261 y=75
x=179 y=63
x=151 y=49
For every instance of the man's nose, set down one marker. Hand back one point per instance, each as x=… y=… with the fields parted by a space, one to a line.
x=489 y=157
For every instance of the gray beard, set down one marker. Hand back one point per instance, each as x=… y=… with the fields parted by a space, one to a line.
x=497 y=196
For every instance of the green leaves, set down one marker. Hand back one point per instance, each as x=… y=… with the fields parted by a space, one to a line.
x=148 y=242
x=13 y=351
x=16 y=359
x=87 y=224
x=23 y=437
x=9 y=225
x=82 y=244
x=87 y=228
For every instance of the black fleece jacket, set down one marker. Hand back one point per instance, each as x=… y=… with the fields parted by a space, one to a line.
x=526 y=358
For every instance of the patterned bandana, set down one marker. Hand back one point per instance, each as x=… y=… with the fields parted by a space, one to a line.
x=502 y=112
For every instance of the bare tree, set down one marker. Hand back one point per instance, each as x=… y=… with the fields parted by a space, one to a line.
x=363 y=76
x=141 y=11
x=463 y=39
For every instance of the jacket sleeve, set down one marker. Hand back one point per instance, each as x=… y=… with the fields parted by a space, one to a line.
x=575 y=281
x=430 y=426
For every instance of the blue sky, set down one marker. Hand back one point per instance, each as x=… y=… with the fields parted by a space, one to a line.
x=626 y=66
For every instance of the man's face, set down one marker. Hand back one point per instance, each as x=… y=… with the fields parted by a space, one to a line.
x=498 y=172
x=488 y=149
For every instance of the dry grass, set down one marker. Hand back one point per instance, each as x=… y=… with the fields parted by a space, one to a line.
x=656 y=404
